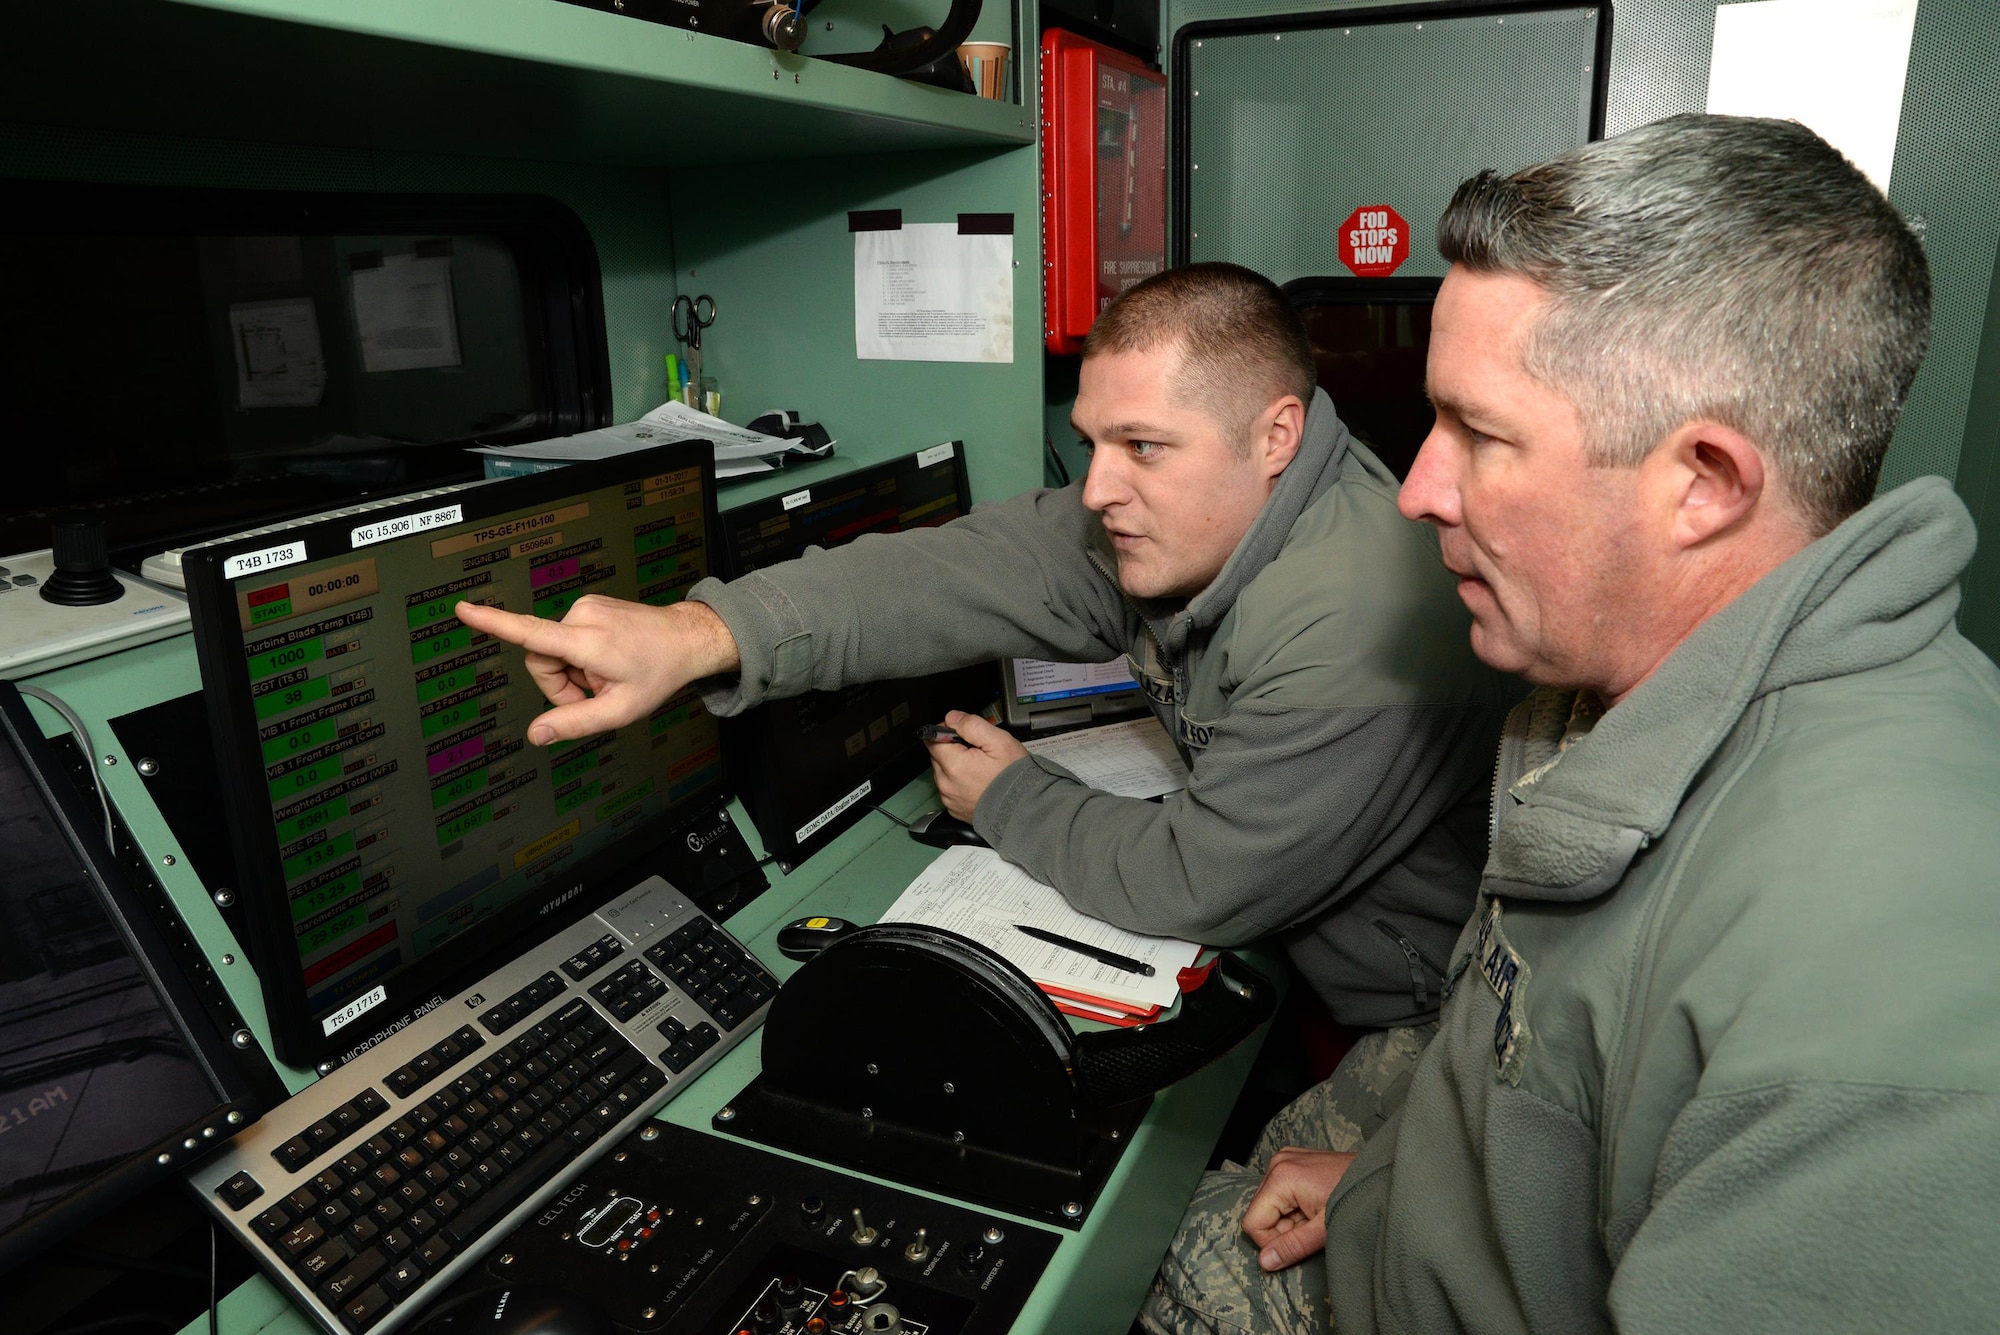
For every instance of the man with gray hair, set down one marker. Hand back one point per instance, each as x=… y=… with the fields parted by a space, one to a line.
x=1719 y=1050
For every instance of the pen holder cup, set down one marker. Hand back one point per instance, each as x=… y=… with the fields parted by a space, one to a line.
x=986 y=65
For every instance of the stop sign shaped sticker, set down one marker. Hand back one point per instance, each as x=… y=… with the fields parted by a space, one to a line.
x=1374 y=241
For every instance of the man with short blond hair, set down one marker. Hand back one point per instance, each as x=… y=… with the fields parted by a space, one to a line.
x=1291 y=630
x=1719 y=1049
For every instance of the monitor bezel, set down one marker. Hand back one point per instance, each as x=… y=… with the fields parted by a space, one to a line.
x=1111 y=704
x=296 y=1032
x=242 y=1085
x=745 y=736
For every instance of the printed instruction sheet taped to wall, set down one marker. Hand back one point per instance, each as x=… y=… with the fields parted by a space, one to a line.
x=925 y=293
x=1836 y=66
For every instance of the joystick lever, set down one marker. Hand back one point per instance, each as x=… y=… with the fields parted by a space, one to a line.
x=82 y=576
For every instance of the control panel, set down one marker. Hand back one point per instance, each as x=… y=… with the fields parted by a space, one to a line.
x=677 y=1230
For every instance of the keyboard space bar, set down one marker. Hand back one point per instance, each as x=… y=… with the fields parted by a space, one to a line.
x=519 y=1184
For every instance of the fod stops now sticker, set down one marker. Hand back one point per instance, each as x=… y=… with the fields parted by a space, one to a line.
x=1374 y=241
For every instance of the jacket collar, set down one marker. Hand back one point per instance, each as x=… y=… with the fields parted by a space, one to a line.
x=1874 y=591
x=1322 y=454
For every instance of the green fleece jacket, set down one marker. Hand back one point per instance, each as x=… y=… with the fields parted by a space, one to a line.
x=1722 y=1047
x=1338 y=729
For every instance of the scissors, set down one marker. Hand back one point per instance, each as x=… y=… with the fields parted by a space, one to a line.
x=691 y=316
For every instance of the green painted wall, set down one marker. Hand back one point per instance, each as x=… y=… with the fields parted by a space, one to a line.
x=773 y=248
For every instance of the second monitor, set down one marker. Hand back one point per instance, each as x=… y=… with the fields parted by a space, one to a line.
x=807 y=768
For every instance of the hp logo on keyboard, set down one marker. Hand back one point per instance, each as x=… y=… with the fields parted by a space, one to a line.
x=475 y=1001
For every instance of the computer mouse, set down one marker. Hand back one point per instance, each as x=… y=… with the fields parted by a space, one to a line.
x=519 y=1310
x=806 y=937
x=941 y=829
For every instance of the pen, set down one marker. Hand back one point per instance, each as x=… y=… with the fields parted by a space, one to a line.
x=937 y=732
x=1102 y=956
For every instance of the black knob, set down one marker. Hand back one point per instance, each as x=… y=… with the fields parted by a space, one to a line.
x=812 y=1210
x=970 y=1257
x=82 y=575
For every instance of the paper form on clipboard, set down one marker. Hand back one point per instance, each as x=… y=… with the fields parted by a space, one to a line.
x=977 y=893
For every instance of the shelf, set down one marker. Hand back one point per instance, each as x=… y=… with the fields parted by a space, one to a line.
x=490 y=78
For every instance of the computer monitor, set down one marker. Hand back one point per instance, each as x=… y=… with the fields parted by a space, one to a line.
x=396 y=838
x=1370 y=338
x=115 y=1071
x=809 y=767
x=1040 y=695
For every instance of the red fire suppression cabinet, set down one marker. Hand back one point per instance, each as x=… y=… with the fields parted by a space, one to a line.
x=1104 y=180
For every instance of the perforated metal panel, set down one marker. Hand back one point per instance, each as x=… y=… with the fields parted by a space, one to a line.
x=1289 y=132
x=1947 y=179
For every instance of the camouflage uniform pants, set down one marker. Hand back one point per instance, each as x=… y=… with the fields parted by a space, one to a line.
x=1210 y=1282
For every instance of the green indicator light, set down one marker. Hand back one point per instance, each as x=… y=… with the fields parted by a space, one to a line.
x=287 y=658
x=441 y=646
x=319 y=855
x=569 y=769
x=300 y=739
x=332 y=931
x=653 y=570
x=572 y=801
x=446 y=720
x=652 y=542
x=307 y=821
x=293 y=697
x=464 y=825
x=456 y=679
x=554 y=609
x=623 y=800
x=271 y=612
x=299 y=780
x=331 y=893
x=458 y=788
x=437 y=609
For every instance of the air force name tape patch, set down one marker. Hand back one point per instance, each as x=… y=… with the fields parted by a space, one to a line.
x=1506 y=973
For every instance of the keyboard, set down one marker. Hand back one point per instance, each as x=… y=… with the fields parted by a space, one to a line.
x=387 y=1179
x=165 y=567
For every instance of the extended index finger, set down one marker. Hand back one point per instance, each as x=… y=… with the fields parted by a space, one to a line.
x=535 y=634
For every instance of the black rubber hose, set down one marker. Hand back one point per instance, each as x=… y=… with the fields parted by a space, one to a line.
x=957 y=27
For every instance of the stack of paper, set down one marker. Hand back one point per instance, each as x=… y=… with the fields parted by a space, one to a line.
x=1131 y=759
x=738 y=450
x=976 y=893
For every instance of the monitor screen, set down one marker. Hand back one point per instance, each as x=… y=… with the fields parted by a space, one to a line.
x=299 y=347
x=383 y=801
x=1038 y=681
x=807 y=768
x=100 y=1072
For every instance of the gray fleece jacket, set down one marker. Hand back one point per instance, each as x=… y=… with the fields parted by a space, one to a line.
x=1722 y=1046
x=1338 y=730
